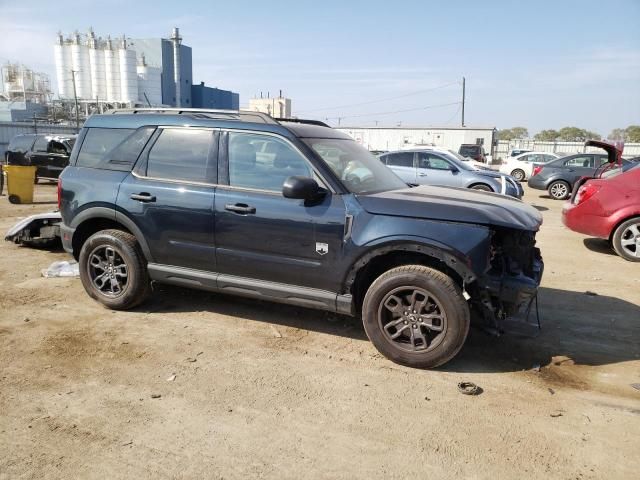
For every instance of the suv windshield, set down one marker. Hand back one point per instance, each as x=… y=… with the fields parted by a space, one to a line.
x=359 y=171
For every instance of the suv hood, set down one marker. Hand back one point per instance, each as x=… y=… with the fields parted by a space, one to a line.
x=454 y=205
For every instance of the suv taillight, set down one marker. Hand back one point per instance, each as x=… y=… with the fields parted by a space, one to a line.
x=536 y=170
x=585 y=192
x=59 y=193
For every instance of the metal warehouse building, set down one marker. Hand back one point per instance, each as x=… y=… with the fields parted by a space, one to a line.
x=397 y=138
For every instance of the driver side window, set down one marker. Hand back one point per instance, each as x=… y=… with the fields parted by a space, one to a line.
x=263 y=162
x=433 y=162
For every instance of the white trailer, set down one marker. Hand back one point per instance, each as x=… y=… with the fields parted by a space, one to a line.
x=398 y=138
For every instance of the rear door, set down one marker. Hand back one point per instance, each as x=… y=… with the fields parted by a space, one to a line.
x=403 y=164
x=170 y=196
x=579 y=166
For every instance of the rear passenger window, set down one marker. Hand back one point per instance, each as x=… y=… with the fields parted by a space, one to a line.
x=21 y=143
x=400 y=159
x=180 y=154
x=98 y=142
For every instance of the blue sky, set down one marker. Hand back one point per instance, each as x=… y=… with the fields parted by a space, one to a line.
x=542 y=64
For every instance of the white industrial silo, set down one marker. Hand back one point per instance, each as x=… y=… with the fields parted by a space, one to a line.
x=80 y=64
x=97 y=66
x=128 y=75
x=111 y=72
x=149 y=84
x=62 y=56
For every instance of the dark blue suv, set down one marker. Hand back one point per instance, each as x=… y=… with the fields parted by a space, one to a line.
x=294 y=212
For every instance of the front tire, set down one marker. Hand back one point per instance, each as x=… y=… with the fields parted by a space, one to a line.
x=416 y=316
x=482 y=187
x=113 y=270
x=559 y=190
x=626 y=240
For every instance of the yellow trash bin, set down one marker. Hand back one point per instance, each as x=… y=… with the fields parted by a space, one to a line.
x=20 y=183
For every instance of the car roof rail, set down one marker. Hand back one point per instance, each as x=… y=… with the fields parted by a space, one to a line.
x=220 y=114
x=302 y=120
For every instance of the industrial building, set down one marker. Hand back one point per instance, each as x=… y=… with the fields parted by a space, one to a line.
x=130 y=72
x=207 y=97
x=23 y=93
x=397 y=138
x=279 y=107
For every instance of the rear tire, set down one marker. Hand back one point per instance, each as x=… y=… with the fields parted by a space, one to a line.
x=559 y=190
x=518 y=174
x=113 y=270
x=482 y=187
x=626 y=240
x=432 y=335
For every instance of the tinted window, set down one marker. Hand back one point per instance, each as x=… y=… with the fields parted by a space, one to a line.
x=547 y=158
x=581 y=161
x=21 y=143
x=57 y=148
x=400 y=159
x=41 y=144
x=180 y=154
x=127 y=152
x=263 y=162
x=98 y=142
x=469 y=150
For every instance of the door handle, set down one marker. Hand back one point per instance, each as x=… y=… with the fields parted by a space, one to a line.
x=143 y=197
x=423 y=175
x=241 y=208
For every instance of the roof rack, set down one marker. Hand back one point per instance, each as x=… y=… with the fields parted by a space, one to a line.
x=245 y=115
x=302 y=120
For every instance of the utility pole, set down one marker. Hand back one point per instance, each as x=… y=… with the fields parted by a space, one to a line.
x=463 y=95
x=75 y=97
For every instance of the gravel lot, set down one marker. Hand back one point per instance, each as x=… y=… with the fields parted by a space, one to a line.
x=255 y=390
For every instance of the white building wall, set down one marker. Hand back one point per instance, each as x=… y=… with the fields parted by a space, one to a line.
x=397 y=138
x=278 y=107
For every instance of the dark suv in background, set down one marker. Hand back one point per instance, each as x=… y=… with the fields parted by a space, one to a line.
x=293 y=212
x=471 y=150
x=49 y=152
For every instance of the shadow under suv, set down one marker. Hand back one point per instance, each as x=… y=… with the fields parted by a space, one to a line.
x=294 y=212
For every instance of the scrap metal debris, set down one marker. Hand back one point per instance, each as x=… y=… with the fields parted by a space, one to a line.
x=636 y=386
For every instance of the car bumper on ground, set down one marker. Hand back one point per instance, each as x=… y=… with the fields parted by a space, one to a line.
x=576 y=218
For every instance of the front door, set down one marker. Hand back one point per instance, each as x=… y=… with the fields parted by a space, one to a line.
x=262 y=235
x=170 y=197
x=436 y=170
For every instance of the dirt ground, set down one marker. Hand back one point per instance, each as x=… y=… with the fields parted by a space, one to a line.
x=255 y=390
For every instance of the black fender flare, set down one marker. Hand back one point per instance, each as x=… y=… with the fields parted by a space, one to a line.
x=449 y=257
x=110 y=214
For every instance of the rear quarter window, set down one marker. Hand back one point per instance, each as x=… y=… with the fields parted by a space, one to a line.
x=112 y=148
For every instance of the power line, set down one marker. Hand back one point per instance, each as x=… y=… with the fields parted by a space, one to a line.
x=381 y=99
x=395 y=111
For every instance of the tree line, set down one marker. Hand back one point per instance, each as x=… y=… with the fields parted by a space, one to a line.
x=630 y=134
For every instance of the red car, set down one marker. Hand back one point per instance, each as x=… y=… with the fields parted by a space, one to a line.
x=609 y=208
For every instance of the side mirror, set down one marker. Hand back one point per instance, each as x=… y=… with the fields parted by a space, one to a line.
x=302 y=188
x=453 y=169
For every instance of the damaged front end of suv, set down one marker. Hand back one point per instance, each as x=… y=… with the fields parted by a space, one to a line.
x=510 y=282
